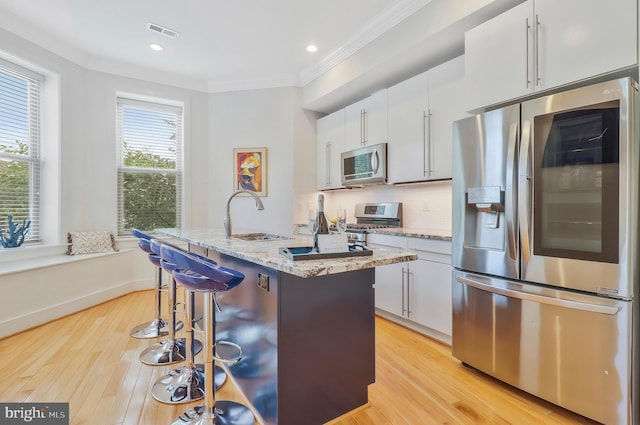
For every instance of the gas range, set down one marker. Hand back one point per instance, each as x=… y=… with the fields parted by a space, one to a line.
x=370 y=216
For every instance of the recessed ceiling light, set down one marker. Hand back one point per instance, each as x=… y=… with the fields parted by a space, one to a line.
x=311 y=48
x=156 y=47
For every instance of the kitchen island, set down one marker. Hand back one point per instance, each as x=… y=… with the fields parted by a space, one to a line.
x=306 y=327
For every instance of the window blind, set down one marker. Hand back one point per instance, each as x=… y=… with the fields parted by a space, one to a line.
x=20 y=147
x=149 y=165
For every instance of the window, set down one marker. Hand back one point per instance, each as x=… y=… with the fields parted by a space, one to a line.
x=20 y=147
x=149 y=165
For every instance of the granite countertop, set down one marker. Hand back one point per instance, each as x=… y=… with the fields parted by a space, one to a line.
x=411 y=232
x=266 y=253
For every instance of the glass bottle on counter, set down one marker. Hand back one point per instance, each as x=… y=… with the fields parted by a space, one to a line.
x=323 y=226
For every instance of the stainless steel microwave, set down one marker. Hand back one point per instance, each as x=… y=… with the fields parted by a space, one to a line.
x=366 y=165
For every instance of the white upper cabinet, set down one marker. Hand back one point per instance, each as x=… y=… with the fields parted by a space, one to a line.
x=578 y=39
x=446 y=105
x=498 y=67
x=408 y=104
x=366 y=121
x=421 y=111
x=329 y=145
x=543 y=44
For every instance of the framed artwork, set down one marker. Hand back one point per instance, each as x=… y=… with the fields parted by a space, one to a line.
x=250 y=170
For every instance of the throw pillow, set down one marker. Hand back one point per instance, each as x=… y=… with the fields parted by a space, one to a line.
x=90 y=242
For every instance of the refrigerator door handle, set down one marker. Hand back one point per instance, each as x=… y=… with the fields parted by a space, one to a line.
x=524 y=191
x=511 y=212
x=576 y=305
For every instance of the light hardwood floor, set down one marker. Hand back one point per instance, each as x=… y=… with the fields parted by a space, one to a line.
x=89 y=360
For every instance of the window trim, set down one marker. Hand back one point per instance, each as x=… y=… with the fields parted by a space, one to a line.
x=35 y=81
x=162 y=106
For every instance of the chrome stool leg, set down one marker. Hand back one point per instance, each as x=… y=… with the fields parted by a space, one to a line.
x=157 y=326
x=214 y=412
x=170 y=350
x=186 y=383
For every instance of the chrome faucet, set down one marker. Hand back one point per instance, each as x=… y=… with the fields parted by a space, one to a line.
x=227 y=216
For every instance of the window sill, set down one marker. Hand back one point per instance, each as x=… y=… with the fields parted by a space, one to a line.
x=28 y=258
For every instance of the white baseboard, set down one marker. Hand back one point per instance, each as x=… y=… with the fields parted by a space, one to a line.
x=431 y=333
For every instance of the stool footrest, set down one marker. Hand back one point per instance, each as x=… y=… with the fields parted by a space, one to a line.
x=227 y=352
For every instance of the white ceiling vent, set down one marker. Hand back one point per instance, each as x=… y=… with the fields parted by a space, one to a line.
x=162 y=30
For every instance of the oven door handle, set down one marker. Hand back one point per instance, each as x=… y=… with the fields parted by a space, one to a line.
x=541 y=299
x=375 y=161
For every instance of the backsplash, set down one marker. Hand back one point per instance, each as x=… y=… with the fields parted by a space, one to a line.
x=425 y=205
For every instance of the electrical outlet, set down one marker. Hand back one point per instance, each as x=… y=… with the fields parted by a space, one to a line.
x=263 y=281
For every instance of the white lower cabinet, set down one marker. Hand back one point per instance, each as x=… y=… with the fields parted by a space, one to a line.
x=429 y=294
x=416 y=292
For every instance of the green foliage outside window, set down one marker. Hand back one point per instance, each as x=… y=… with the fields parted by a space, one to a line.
x=14 y=184
x=150 y=198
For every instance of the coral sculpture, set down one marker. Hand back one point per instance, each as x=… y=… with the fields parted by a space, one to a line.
x=15 y=233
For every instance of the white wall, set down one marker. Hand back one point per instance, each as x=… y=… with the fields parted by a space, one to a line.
x=269 y=118
x=82 y=170
x=80 y=166
x=87 y=110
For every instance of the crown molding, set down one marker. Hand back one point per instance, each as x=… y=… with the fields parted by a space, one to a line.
x=389 y=18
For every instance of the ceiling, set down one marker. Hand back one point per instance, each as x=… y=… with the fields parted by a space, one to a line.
x=221 y=44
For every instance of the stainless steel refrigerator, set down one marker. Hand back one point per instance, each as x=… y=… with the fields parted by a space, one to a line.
x=545 y=247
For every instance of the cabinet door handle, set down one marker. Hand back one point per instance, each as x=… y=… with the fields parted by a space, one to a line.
x=365 y=128
x=427 y=168
x=537 y=39
x=526 y=49
x=409 y=293
x=429 y=115
x=404 y=310
x=362 y=127
x=328 y=164
x=424 y=143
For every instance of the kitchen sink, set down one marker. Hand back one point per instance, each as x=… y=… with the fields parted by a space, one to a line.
x=259 y=237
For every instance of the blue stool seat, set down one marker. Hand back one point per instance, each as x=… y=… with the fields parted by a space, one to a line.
x=155 y=260
x=144 y=245
x=157 y=326
x=199 y=274
x=155 y=245
x=140 y=235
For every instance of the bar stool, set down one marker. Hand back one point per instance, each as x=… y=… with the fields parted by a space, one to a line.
x=171 y=350
x=184 y=384
x=200 y=275
x=157 y=326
